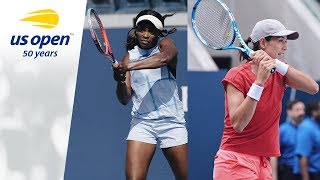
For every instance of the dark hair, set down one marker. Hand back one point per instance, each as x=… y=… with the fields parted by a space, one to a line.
x=313 y=106
x=290 y=104
x=131 y=37
x=255 y=47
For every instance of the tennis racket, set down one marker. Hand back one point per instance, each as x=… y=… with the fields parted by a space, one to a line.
x=215 y=26
x=99 y=35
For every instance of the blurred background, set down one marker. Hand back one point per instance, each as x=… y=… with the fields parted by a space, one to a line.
x=100 y=124
x=135 y=6
x=206 y=69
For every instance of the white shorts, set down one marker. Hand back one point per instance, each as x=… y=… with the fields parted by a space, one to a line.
x=168 y=133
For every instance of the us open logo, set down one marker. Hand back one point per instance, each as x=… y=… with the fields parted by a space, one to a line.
x=45 y=19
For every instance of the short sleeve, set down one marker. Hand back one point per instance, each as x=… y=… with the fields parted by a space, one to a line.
x=235 y=78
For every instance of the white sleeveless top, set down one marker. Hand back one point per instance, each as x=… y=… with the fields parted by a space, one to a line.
x=155 y=92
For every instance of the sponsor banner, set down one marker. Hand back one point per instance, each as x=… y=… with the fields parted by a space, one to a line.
x=40 y=44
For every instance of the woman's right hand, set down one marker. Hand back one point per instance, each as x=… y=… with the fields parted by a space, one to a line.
x=118 y=76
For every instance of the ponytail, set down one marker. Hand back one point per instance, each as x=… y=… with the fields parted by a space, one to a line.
x=167 y=15
x=255 y=47
x=165 y=32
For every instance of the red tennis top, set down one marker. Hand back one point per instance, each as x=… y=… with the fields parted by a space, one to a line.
x=261 y=136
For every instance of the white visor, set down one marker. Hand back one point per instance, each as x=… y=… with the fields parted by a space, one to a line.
x=155 y=21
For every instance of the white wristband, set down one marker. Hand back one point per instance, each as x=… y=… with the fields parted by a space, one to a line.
x=255 y=92
x=281 y=67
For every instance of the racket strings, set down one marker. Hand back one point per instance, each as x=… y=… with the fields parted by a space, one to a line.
x=213 y=24
x=97 y=31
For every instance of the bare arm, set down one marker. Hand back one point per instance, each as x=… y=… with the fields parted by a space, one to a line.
x=298 y=80
x=124 y=91
x=241 y=109
x=167 y=56
x=274 y=166
x=304 y=168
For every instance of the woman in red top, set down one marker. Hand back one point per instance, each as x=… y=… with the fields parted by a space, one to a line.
x=253 y=103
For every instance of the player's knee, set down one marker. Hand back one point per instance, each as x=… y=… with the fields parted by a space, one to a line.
x=132 y=175
x=182 y=177
x=180 y=173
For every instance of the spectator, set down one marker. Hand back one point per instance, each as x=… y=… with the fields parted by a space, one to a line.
x=308 y=143
x=284 y=166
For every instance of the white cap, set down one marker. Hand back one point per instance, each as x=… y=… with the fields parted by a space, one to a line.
x=154 y=20
x=271 y=27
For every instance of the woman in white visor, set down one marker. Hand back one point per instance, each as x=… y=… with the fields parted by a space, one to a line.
x=147 y=75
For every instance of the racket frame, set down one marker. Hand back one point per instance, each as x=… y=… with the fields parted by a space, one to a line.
x=235 y=28
x=108 y=50
x=236 y=33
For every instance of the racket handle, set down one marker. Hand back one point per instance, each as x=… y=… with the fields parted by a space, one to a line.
x=115 y=61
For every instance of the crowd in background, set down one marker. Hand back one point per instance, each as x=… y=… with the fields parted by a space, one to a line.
x=299 y=143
